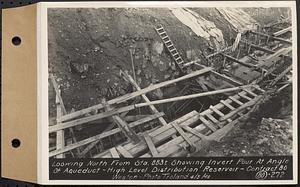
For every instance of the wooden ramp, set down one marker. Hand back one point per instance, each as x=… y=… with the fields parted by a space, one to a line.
x=192 y=128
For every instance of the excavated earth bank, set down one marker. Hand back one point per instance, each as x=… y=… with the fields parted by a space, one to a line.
x=87 y=47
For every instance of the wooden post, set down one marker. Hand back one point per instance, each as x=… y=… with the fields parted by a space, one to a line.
x=238 y=54
x=150 y=145
x=281 y=75
x=62 y=106
x=60 y=136
x=180 y=98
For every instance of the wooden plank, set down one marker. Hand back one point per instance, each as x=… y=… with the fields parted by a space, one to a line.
x=60 y=136
x=244 y=106
x=133 y=118
x=62 y=105
x=146 y=119
x=150 y=145
x=227 y=79
x=259 y=89
x=216 y=111
x=250 y=92
x=134 y=94
x=238 y=61
x=227 y=105
x=123 y=152
x=219 y=75
x=176 y=144
x=90 y=118
x=212 y=118
x=184 y=136
x=194 y=132
x=167 y=152
x=102 y=135
x=272 y=37
x=57 y=91
x=273 y=24
x=235 y=100
x=281 y=75
x=283 y=31
x=114 y=153
x=207 y=123
x=258 y=47
x=244 y=96
x=218 y=52
x=192 y=96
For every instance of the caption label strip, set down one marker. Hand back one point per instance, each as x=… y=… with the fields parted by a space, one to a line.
x=214 y=168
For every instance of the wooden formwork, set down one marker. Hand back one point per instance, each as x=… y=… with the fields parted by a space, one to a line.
x=190 y=132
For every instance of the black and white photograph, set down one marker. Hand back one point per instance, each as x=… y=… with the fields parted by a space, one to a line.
x=148 y=82
x=170 y=82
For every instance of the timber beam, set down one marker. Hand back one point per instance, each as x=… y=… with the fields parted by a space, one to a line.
x=219 y=75
x=272 y=37
x=238 y=61
x=283 y=31
x=258 y=47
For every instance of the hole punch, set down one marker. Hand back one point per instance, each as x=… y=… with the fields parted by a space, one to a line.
x=15 y=143
x=16 y=40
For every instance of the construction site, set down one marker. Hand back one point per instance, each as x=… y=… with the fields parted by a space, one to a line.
x=177 y=82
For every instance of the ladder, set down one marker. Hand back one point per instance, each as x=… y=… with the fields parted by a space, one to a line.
x=170 y=46
x=215 y=119
x=211 y=124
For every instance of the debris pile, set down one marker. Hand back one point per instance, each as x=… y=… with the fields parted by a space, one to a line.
x=270 y=137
